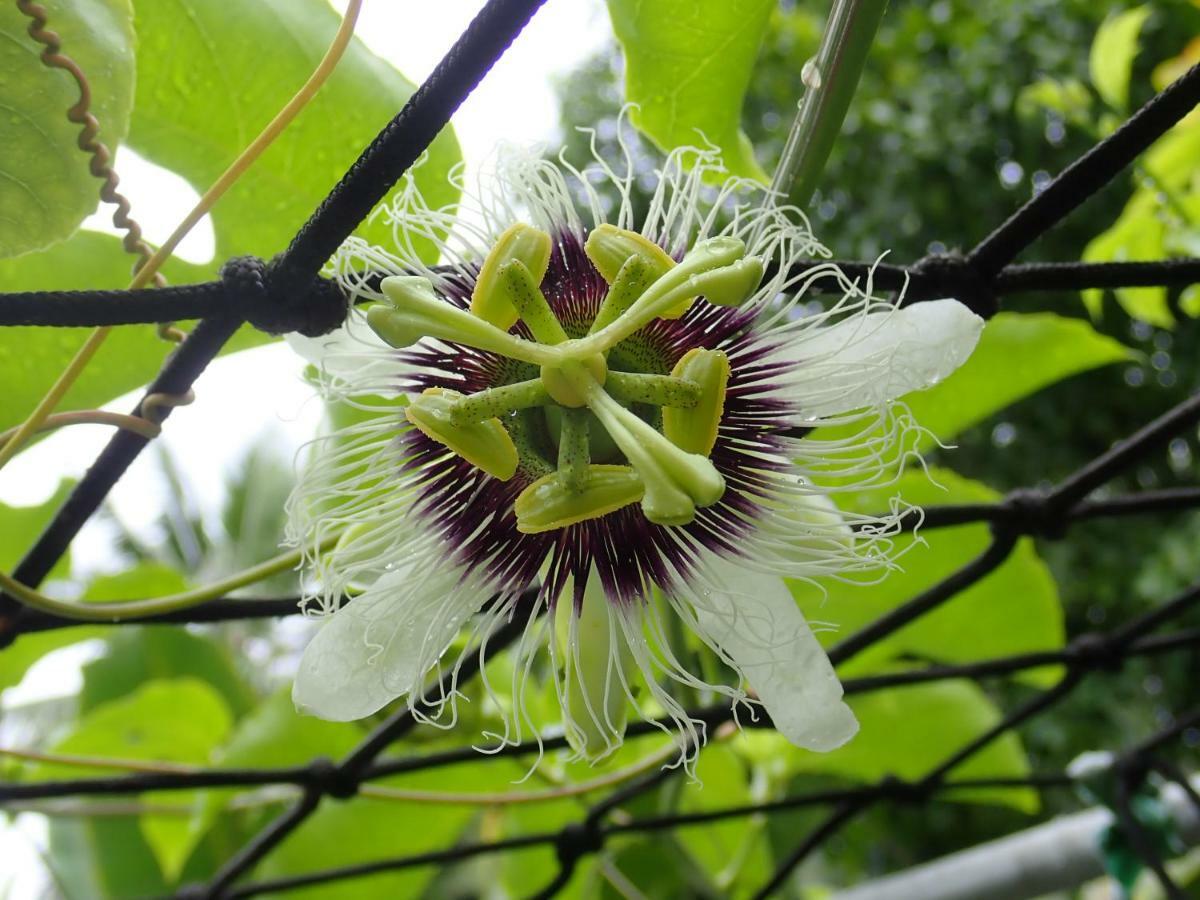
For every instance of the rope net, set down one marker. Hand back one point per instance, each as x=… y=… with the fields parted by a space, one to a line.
x=288 y=294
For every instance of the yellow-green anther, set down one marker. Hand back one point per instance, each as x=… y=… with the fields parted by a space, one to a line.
x=416 y=312
x=551 y=502
x=596 y=655
x=493 y=403
x=610 y=247
x=695 y=429
x=689 y=278
x=731 y=285
x=485 y=445
x=519 y=242
x=659 y=390
x=573 y=458
x=517 y=284
x=631 y=282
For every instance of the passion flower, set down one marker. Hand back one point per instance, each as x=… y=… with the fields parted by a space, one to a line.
x=643 y=420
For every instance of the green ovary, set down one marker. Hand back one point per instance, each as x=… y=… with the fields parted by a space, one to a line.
x=572 y=413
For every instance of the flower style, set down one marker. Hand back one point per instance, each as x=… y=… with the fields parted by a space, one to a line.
x=620 y=415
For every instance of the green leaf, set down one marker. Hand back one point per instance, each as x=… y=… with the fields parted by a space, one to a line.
x=148 y=579
x=178 y=721
x=734 y=852
x=687 y=66
x=1111 y=57
x=137 y=655
x=909 y=731
x=1136 y=236
x=205 y=89
x=31 y=358
x=1013 y=610
x=365 y=829
x=46 y=189
x=19 y=527
x=1018 y=355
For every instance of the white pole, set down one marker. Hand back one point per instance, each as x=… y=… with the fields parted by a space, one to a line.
x=1057 y=856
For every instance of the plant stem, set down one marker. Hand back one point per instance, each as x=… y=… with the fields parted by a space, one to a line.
x=831 y=78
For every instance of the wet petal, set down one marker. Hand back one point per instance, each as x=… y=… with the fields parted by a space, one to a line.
x=379 y=646
x=875 y=357
x=755 y=622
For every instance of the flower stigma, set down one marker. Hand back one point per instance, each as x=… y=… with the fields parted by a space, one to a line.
x=643 y=439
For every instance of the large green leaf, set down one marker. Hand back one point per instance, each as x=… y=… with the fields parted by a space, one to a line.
x=207 y=84
x=1018 y=355
x=31 y=358
x=178 y=721
x=138 y=655
x=1013 y=610
x=46 y=189
x=909 y=731
x=19 y=527
x=687 y=66
x=1111 y=57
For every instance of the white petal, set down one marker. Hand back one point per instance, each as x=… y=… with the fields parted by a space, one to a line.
x=754 y=620
x=379 y=646
x=871 y=358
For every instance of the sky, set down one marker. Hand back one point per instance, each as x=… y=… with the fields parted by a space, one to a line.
x=412 y=36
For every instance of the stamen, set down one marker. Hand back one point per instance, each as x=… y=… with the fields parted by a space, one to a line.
x=521 y=243
x=516 y=284
x=676 y=482
x=694 y=429
x=661 y=390
x=631 y=282
x=485 y=445
x=610 y=248
x=573 y=458
x=416 y=312
x=493 y=403
x=550 y=503
x=707 y=266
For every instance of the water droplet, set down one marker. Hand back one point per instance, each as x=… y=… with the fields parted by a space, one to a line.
x=810 y=75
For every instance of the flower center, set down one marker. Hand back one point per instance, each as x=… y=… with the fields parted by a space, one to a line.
x=666 y=469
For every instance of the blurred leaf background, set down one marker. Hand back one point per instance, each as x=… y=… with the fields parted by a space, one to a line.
x=965 y=109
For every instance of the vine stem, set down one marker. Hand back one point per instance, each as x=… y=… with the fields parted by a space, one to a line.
x=830 y=78
x=154 y=606
x=136 y=424
x=146 y=273
x=378 y=792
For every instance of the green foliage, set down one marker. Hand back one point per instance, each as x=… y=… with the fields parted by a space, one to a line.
x=894 y=739
x=1111 y=59
x=1014 y=610
x=137 y=655
x=199 y=101
x=179 y=721
x=1017 y=356
x=32 y=358
x=46 y=189
x=687 y=66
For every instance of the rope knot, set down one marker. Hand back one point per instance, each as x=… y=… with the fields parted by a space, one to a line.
x=953 y=275
x=1029 y=513
x=902 y=791
x=577 y=840
x=1095 y=651
x=277 y=305
x=330 y=780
